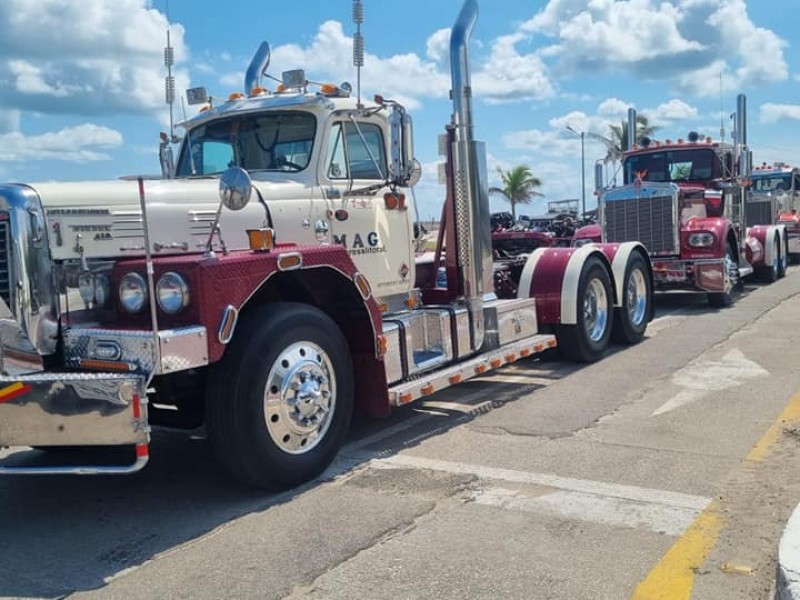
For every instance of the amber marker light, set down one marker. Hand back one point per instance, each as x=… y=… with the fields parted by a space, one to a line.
x=106 y=365
x=235 y=96
x=262 y=239
x=394 y=201
x=496 y=363
x=290 y=261
x=427 y=390
x=363 y=285
x=406 y=398
x=328 y=89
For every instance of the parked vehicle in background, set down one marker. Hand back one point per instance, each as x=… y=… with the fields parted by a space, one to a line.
x=777 y=188
x=686 y=201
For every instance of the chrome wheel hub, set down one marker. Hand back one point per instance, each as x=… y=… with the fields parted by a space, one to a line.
x=595 y=310
x=636 y=297
x=300 y=397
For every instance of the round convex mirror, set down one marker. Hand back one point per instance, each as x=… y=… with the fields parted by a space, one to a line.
x=235 y=188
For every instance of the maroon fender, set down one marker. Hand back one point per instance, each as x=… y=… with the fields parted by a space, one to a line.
x=760 y=250
x=719 y=227
x=321 y=275
x=588 y=234
x=552 y=275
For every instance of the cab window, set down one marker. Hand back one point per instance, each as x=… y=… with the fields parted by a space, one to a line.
x=356 y=151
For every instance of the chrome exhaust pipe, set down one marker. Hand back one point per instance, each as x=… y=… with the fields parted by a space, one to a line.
x=258 y=66
x=471 y=198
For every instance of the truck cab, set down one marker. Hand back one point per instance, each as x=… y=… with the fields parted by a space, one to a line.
x=776 y=188
x=686 y=201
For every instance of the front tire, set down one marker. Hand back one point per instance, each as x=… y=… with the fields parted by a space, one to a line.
x=630 y=320
x=587 y=340
x=725 y=299
x=279 y=402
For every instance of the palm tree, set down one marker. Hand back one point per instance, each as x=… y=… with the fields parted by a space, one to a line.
x=519 y=186
x=619 y=135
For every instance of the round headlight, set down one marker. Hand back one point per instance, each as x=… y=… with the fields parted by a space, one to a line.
x=133 y=292
x=86 y=287
x=172 y=293
x=102 y=291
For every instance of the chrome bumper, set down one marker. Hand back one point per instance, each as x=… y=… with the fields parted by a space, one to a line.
x=703 y=275
x=74 y=409
x=132 y=351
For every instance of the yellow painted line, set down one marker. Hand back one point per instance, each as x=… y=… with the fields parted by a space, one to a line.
x=673 y=577
x=10 y=389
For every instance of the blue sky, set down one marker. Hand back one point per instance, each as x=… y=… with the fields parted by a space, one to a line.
x=82 y=94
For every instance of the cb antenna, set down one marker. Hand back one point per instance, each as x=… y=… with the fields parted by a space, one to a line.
x=358 y=45
x=169 y=80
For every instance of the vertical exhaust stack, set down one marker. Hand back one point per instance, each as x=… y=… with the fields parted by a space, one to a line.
x=742 y=152
x=631 y=133
x=473 y=238
x=258 y=67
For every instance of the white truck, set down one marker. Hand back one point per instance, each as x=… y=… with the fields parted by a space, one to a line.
x=129 y=304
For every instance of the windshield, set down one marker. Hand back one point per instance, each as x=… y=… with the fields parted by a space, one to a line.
x=773 y=183
x=275 y=141
x=677 y=165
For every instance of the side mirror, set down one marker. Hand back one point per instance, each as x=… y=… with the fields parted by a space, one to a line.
x=235 y=188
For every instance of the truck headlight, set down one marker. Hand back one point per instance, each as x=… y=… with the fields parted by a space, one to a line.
x=133 y=292
x=95 y=290
x=172 y=293
x=701 y=240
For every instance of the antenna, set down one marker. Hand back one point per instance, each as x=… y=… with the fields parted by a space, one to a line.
x=358 y=45
x=169 y=81
x=721 y=111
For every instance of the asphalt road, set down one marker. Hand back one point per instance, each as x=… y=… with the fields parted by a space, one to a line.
x=664 y=471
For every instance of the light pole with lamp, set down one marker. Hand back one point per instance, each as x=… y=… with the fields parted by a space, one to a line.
x=582 y=135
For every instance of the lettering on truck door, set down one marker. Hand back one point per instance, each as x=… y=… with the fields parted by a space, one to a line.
x=378 y=237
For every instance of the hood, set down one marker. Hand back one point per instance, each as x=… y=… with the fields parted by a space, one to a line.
x=105 y=218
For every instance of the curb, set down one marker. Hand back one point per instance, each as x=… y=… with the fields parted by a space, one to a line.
x=787 y=585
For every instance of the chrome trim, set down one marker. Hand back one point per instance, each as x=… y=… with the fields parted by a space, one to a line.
x=33 y=302
x=470 y=192
x=179 y=349
x=68 y=409
x=230 y=312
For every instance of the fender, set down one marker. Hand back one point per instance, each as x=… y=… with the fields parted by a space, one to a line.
x=618 y=255
x=317 y=275
x=551 y=275
x=764 y=234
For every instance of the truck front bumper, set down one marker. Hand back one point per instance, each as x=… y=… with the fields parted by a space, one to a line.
x=702 y=275
x=73 y=409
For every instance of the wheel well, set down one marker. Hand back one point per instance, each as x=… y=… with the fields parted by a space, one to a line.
x=336 y=295
x=733 y=244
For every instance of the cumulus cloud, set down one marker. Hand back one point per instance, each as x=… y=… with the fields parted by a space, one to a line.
x=84 y=143
x=688 y=42
x=95 y=57
x=506 y=74
x=674 y=110
x=773 y=113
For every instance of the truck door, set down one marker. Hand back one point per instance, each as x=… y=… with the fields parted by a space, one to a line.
x=376 y=233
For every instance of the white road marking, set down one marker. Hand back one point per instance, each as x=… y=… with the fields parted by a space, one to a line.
x=616 y=512
x=582 y=486
x=700 y=378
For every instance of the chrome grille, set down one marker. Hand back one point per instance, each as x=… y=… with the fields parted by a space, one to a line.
x=649 y=220
x=760 y=212
x=5 y=279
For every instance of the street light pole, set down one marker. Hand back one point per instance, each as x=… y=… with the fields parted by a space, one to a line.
x=582 y=135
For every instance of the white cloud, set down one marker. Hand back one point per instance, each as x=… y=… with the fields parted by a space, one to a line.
x=688 y=42
x=83 y=143
x=92 y=57
x=674 y=110
x=613 y=107
x=773 y=113
x=505 y=75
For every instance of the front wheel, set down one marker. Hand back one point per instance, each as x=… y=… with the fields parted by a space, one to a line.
x=587 y=340
x=630 y=320
x=725 y=299
x=280 y=401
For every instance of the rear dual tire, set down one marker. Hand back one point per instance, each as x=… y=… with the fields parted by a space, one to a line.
x=587 y=340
